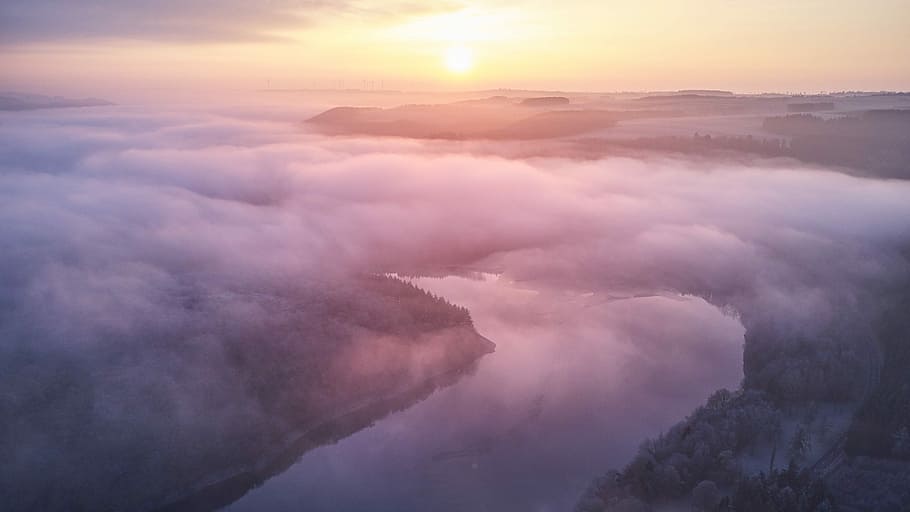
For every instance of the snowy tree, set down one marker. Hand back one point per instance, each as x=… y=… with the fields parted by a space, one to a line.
x=706 y=496
x=800 y=445
x=901 y=446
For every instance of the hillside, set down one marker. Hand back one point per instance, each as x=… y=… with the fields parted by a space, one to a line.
x=497 y=118
x=13 y=101
x=819 y=424
x=166 y=413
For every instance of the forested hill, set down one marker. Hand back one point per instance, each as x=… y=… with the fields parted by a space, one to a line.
x=221 y=386
x=820 y=424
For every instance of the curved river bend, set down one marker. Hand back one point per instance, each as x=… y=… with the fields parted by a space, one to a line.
x=576 y=383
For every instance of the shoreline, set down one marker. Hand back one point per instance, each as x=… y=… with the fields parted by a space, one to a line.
x=228 y=489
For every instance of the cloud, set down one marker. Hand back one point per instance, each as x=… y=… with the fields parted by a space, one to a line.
x=725 y=229
x=180 y=21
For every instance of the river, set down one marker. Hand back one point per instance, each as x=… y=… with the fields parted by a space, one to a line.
x=577 y=381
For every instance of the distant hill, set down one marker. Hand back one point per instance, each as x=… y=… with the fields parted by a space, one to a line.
x=546 y=101
x=558 y=123
x=711 y=92
x=813 y=106
x=686 y=96
x=493 y=118
x=13 y=101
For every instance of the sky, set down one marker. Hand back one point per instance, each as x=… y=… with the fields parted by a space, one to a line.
x=105 y=46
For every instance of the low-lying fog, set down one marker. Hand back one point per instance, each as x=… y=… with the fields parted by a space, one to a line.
x=575 y=384
x=617 y=289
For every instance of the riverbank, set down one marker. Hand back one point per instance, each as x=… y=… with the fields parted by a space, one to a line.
x=229 y=486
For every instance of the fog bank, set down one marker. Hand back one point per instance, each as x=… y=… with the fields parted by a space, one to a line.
x=124 y=225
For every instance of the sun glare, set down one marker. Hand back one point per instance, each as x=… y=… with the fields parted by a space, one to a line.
x=459 y=59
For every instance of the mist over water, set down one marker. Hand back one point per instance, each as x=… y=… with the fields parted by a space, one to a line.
x=617 y=289
x=574 y=385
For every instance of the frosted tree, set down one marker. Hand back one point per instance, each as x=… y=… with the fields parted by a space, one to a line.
x=706 y=496
x=800 y=445
x=901 y=446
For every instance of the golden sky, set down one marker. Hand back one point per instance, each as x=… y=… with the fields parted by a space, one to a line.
x=86 y=46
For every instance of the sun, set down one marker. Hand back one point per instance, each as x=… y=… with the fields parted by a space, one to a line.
x=459 y=59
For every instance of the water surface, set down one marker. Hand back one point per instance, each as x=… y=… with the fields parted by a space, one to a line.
x=577 y=381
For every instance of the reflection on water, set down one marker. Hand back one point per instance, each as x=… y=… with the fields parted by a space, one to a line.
x=576 y=382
